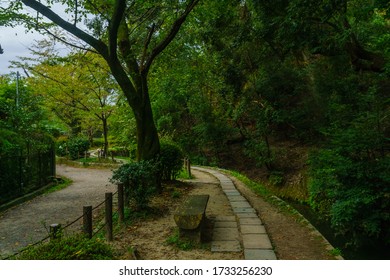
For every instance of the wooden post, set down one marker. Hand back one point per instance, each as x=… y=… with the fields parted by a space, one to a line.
x=55 y=231
x=108 y=204
x=121 y=203
x=189 y=168
x=125 y=194
x=87 y=221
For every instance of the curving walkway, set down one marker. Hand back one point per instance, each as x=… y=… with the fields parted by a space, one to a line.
x=242 y=231
x=27 y=223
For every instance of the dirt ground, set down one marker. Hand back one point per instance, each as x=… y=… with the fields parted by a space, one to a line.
x=292 y=240
x=147 y=237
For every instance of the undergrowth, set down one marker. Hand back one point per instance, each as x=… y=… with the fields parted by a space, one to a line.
x=75 y=247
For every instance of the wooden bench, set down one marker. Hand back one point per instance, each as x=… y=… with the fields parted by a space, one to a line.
x=191 y=215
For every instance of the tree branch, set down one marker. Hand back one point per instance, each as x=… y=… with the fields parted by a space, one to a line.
x=147 y=42
x=47 y=12
x=116 y=19
x=171 y=35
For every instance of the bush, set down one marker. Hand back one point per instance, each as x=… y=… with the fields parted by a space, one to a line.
x=119 y=152
x=139 y=179
x=171 y=160
x=61 y=147
x=10 y=142
x=77 y=147
x=75 y=247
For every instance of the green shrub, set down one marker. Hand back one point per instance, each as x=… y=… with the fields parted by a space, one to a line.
x=10 y=142
x=259 y=150
x=61 y=147
x=119 y=151
x=171 y=160
x=77 y=146
x=98 y=142
x=75 y=247
x=140 y=181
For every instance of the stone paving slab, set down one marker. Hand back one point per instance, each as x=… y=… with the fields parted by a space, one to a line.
x=225 y=234
x=256 y=241
x=234 y=198
x=225 y=218
x=243 y=210
x=231 y=192
x=225 y=224
x=247 y=220
x=240 y=204
x=249 y=229
x=226 y=246
x=252 y=215
x=259 y=254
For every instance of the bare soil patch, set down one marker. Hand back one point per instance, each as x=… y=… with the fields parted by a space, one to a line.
x=291 y=239
x=149 y=237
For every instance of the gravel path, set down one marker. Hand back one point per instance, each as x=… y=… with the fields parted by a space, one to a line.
x=26 y=223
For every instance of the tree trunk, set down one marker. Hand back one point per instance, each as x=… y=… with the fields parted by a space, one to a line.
x=105 y=136
x=148 y=144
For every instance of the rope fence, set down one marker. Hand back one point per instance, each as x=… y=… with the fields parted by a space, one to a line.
x=56 y=230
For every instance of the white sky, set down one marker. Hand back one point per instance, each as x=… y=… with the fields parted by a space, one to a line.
x=16 y=41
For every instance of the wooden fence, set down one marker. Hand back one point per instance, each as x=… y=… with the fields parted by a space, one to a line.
x=24 y=173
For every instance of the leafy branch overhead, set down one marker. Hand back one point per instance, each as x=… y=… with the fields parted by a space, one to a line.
x=129 y=35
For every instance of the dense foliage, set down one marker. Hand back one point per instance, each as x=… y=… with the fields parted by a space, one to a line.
x=26 y=148
x=75 y=147
x=170 y=160
x=300 y=72
x=139 y=180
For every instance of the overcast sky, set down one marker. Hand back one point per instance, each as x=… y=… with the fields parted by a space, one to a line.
x=16 y=41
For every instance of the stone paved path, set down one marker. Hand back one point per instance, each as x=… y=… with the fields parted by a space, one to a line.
x=242 y=231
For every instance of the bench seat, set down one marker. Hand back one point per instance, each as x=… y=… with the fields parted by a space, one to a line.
x=190 y=215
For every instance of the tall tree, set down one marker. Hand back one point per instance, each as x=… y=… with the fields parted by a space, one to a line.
x=81 y=85
x=129 y=35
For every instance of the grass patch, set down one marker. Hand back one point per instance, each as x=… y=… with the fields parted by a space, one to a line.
x=75 y=247
x=180 y=243
x=258 y=188
x=336 y=252
x=183 y=174
x=59 y=184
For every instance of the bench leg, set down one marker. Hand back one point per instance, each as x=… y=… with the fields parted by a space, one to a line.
x=198 y=235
